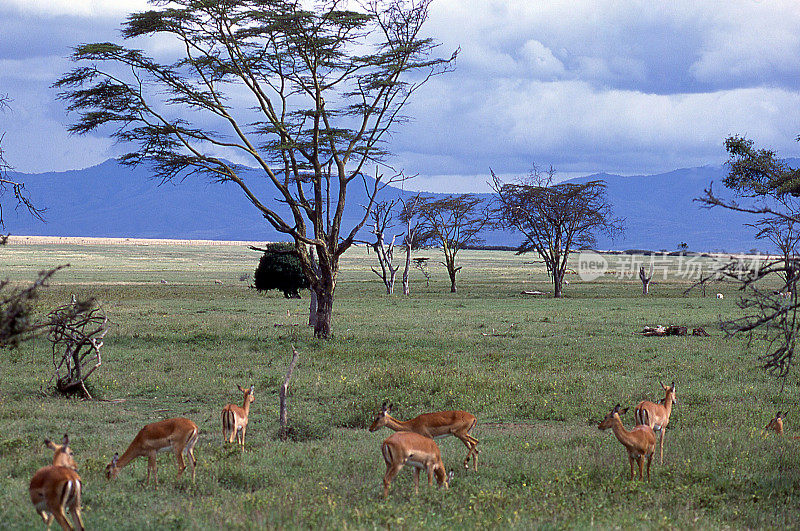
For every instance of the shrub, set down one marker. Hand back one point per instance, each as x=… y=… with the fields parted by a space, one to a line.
x=279 y=268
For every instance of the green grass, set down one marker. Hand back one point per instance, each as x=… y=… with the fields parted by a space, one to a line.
x=539 y=388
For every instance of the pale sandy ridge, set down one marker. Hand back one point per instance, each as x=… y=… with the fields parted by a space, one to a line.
x=73 y=240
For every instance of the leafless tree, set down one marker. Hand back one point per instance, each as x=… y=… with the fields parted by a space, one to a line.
x=382 y=220
x=76 y=331
x=554 y=218
x=645 y=279
x=414 y=236
x=454 y=223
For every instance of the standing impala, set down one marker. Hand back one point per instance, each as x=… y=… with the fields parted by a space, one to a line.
x=58 y=486
x=434 y=425
x=776 y=424
x=657 y=415
x=234 y=418
x=178 y=435
x=409 y=448
x=640 y=442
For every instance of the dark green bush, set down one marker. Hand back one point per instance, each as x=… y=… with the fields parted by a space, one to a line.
x=279 y=268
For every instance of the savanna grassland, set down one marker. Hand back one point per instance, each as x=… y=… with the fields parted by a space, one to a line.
x=539 y=373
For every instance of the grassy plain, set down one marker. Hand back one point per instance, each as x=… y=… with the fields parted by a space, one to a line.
x=538 y=387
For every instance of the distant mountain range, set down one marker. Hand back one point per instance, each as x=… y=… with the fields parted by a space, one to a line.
x=110 y=200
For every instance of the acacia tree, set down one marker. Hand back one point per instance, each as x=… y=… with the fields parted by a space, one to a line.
x=769 y=188
x=453 y=222
x=305 y=93
x=17 y=188
x=554 y=218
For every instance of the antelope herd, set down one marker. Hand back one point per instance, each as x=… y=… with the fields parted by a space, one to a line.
x=56 y=488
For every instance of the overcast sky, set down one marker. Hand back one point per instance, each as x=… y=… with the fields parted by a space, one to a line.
x=632 y=87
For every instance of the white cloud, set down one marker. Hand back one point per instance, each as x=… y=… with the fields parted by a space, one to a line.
x=80 y=8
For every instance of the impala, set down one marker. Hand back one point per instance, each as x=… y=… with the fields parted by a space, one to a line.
x=58 y=486
x=435 y=425
x=409 y=448
x=178 y=435
x=640 y=442
x=234 y=418
x=657 y=415
x=776 y=424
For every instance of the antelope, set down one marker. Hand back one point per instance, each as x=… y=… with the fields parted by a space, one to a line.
x=435 y=425
x=58 y=486
x=640 y=442
x=179 y=435
x=776 y=424
x=409 y=448
x=234 y=418
x=657 y=415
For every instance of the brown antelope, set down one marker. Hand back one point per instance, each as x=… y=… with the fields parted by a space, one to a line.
x=58 y=486
x=776 y=424
x=435 y=425
x=234 y=418
x=179 y=435
x=657 y=415
x=640 y=442
x=409 y=448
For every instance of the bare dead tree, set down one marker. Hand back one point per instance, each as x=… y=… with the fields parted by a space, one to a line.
x=414 y=237
x=382 y=217
x=284 y=416
x=76 y=331
x=645 y=279
x=421 y=263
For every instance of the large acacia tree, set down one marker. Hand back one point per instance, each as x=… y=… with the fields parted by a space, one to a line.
x=765 y=185
x=554 y=218
x=306 y=92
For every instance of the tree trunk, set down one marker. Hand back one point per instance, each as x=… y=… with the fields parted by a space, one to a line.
x=406 y=286
x=452 y=281
x=322 y=326
x=558 y=282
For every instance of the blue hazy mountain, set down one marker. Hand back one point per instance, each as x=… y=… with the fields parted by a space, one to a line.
x=110 y=200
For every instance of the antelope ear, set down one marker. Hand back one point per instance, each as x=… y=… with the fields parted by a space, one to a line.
x=384 y=405
x=391 y=407
x=664 y=387
x=622 y=412
x=673 y=385
x=50 y=444
x=66 y=440
x=115 y=459
x=240 y=388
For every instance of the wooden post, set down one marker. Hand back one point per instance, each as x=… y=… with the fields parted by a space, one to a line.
x=284 y=432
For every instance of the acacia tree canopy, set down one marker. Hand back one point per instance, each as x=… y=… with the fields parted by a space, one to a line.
x=453 y=222
x=306 y=93
x=554 y=218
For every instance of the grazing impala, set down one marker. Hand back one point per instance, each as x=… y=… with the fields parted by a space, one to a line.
x=58 y=486
x=657 y=415
x=640 y=442
x=776 y=424
x=409 y=448
x=434 y=425
x=234 y=418
x=178 y=435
